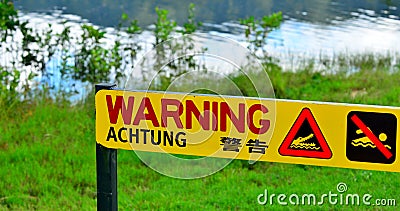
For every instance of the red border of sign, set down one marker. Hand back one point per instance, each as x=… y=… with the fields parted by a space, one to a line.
x=284 y=149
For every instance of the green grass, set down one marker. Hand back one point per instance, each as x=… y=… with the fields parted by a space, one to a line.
x=47 y=156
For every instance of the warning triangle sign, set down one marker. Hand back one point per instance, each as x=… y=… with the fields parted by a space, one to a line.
x=305 y=139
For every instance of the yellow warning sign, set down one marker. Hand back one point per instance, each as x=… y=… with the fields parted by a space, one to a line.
x=301 y=132
x=184 y=124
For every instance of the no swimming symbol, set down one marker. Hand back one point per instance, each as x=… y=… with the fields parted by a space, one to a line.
x=371 y=137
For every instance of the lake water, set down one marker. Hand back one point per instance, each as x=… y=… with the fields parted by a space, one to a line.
x=311 y=28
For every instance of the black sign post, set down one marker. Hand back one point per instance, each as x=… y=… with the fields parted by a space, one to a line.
x=106 y=169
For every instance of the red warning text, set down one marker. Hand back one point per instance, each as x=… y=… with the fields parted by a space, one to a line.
x=211 y=115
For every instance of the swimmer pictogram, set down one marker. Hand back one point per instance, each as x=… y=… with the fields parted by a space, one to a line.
x=366 y=142
x=371 y=137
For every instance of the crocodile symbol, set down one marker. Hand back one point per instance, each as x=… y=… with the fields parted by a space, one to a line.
x=366 y=142
x=300 y=143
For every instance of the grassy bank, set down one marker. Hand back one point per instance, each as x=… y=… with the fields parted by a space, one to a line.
x=47 y=156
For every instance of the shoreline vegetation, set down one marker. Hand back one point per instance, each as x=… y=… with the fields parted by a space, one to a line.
x=47 y=148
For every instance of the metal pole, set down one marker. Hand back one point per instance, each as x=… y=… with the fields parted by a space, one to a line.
x=106 y=170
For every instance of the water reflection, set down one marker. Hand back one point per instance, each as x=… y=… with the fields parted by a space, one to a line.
x=108 y=12
x=311 y=28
